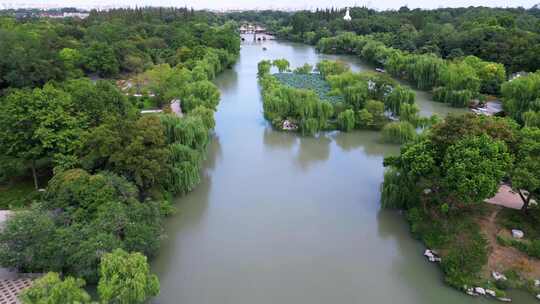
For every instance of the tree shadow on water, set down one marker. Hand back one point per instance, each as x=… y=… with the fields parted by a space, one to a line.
x=312 y=150
x=279 y=140
x=369 y=141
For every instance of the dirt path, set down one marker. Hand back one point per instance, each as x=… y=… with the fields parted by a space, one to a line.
x=505 y=258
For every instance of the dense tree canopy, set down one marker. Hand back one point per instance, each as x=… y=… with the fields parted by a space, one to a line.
x=113 y=169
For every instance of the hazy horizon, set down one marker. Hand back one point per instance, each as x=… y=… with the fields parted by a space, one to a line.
x=260 y=4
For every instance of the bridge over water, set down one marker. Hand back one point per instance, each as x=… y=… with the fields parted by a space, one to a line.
x=258 y=31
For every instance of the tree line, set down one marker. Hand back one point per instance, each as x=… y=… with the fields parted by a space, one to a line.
x=456 y=82
x=510 y=36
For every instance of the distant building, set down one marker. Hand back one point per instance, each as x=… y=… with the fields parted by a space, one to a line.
x=63 y=15
x=76 y=15
x=347 y=15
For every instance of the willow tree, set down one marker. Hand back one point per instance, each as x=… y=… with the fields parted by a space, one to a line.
x=328 y=67
x=126 y=278
x=424 y=70
x=184 y=169
x=410 y=113
x=326 y=111
x=190 y=131
x=305 y=69
x=346 y=120
x=206 y=115
x=399 y=95
x=460 y=76
x=200 y=93
x=305 y=103
x=456 y=98
x=281 y=64
x=309 y=126
x=263 y=68
x=522 y=95
x=398 y=132
x=356 y=95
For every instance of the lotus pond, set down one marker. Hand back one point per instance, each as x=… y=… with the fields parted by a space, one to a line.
x=314 y=82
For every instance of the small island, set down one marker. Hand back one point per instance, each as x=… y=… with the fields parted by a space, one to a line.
x=334 y=98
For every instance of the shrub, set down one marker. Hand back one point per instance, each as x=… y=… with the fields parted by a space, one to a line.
x=309 y=126
x=465 y=259
x=396 y=192
x=398 y=132
x=456 y=98
x=305 y=69
x=346 y=120
x=51 y=289
x=126 y=278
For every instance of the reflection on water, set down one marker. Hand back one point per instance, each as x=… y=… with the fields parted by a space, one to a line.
x=280 y=218
x=279 y=140
x=313 y=150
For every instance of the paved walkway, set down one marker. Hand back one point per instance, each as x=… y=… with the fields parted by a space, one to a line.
x=506 y=197
x=10 y=289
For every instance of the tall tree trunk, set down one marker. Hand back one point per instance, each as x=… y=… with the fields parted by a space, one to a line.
x=526 y=200
x=34 y=174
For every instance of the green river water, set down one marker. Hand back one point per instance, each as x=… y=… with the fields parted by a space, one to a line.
x=280 y=218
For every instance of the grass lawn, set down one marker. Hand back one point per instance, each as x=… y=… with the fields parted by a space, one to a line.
x=313 y=82
x=17 y=195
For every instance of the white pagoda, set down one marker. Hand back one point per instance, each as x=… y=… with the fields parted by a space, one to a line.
x=347 y=15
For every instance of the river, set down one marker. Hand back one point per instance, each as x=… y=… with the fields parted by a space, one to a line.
x=280 y=218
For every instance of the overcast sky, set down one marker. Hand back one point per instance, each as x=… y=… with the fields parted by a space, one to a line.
x=259 y=4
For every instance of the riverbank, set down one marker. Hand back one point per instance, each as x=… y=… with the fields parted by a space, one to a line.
x=447 y=180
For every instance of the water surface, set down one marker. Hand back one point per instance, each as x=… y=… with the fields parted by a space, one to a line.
x=286 y=219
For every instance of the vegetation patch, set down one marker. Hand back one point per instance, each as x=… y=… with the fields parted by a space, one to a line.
x=17 y=195
x=312 y=81
x=111 y=172
x=442 y=178
x=335 y=98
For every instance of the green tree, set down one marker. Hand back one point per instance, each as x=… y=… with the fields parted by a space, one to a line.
x=399 y=95
x=398 y=132
x=206 y=115
x=200 y=93
x=522 y=95
x=305 y=69
x=328 y=68
x=474 y=167
x=72 y=59
x=38 y=124
x=125 y=278
x=524 y=175
x=134 y=149
x=263 y=68
x=356 y=95
x=281 y=64
x=29 y=242
x=52 y=289
x=346 y=120
x=100 y=58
